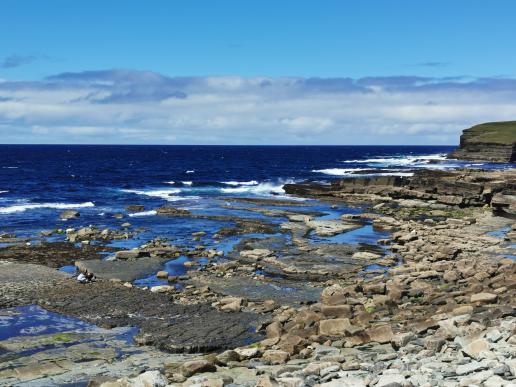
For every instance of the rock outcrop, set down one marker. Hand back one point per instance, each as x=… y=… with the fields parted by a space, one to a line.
x=491 y=142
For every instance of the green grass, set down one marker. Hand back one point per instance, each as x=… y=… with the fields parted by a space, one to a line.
x=493 y=132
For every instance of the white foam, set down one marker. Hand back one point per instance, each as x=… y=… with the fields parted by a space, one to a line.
x=403 y=160
x=339 y=171
x=144 y=213
x=237 y=183
x=1 y=192
x=32 y=206
x=167 y=194
x=171 y=182
x=187 y=182
x=350 y=172
x=10 y=167
x=259 y=189
x=190 y=171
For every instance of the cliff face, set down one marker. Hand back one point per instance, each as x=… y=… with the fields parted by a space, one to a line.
x=491 y=142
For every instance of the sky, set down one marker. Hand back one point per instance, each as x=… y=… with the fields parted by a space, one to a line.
x=254 y=72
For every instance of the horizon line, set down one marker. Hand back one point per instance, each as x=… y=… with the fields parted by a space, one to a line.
x=241 y=145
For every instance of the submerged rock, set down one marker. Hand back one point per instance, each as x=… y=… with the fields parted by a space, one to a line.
x=69 y=214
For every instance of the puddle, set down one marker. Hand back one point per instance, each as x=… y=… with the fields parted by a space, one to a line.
x=365 y=235
x=500 y=233
x=70 y=269
x=175 y=267
x=375 y=267
x=34 y=320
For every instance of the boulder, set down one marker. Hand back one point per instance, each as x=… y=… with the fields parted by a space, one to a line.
x=476 y=348
x=275 y=356
x=484 y=298
x=375 y=288
x=401 y=339
x=193 y=367
x=381 y=334
x=227 y=356
x=247 y=353
x=334 y=327
x=231 y=304
x=162 y=289
x=333 y=295
x=337 y=311
x=274 y=329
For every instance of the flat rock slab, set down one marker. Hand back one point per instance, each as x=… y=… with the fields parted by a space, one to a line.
x=55 y=254
x=283 y=292
x=168 y=326
x=126 y=271
x=22 y=283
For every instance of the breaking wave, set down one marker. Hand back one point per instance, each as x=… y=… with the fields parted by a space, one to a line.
x=237 y=183
x=143 y=213
x=400 y=161
x=351 y=172
x=267 y=188
x=32 y=206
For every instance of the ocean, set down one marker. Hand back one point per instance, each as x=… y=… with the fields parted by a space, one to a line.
x=38 y=182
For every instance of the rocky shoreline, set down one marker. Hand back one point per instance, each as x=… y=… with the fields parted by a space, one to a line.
x=492 y=142
x=432 y=303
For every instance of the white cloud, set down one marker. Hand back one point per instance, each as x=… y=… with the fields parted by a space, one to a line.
x=122 y=106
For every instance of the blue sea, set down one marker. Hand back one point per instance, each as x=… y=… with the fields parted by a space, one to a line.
x=38 y=182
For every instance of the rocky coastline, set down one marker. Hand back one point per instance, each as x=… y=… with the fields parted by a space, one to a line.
x=432 y=303
x=493 y=142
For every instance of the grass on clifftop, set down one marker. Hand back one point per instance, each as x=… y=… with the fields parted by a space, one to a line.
x=494 y=132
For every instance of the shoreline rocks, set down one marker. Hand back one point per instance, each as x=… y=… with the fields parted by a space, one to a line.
x=492 y=142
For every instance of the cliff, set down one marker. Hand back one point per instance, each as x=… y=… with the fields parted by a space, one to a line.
x=491 y=142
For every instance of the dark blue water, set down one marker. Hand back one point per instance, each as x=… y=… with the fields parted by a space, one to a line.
x=37 y=182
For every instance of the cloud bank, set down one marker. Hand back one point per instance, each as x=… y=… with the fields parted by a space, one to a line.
x=137 y=107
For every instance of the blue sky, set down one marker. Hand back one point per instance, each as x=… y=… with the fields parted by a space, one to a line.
x=226 y=47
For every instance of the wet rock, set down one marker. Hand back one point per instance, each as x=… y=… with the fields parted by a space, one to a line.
x=171 y=211
x=69 y=214
x=231 y=304
x=131 y=254
x=125 y=271
x=135 y=208
x=162 y=289
x=256 y=254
